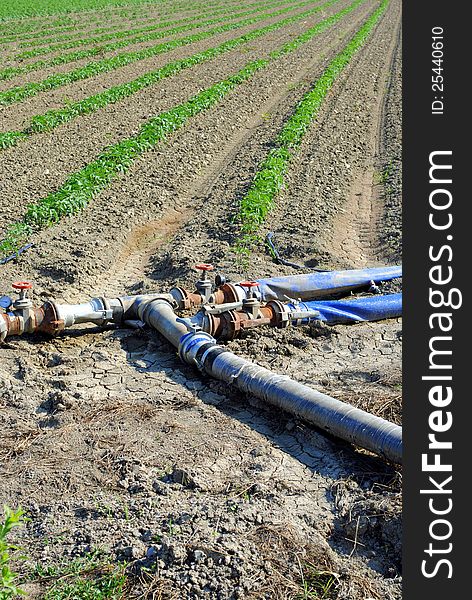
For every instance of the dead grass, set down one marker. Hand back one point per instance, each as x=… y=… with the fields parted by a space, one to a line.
x=294 y=571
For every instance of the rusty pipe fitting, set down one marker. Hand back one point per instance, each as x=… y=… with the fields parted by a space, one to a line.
x=229 y=324
x=186 y=300
x=44 y=319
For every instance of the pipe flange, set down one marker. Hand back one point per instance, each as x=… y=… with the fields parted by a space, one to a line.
x=51 y=323
x=107 y=312
x=118 y=312
x=230 y=294
x=182 y=298
x=280 y=313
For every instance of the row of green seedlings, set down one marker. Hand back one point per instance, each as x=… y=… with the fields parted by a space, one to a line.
x=27 y=26
x=210 y=8
x=56 y=117
x=74 y=43
x=46 y=36
x=105 y=17
x=23 y=28
x=181 y=25
x=91 y=69
x=9 y=72
x=19 y=9
x=49 y=37
x=84 y=185
x=269 y=179
x=51 y=31
x=43 y=33
x=131 y=32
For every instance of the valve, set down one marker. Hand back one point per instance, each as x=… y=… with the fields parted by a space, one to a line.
x=204 y=285
x=249 y=285
x=23 y=301
x=251 y=304
x=204 y=267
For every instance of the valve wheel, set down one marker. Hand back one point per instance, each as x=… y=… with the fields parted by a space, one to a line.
x=249 y=284
x=204 y=267
x=22 y=285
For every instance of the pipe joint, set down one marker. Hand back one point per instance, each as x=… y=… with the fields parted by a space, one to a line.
x=228 y=294
x=96 y=311
x=185 y=300
x=193 y=347
x=145 y=306
x=51 y=323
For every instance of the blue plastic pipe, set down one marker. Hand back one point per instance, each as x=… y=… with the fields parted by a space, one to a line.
x=370 y=308
x=318 y=285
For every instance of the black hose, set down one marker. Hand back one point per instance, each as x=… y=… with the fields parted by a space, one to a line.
x=3 y=261
x=278 y=259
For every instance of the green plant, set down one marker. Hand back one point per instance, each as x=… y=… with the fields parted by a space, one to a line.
x=316 y=584
x=91 y=69
x=8 y=588
x=84 y=185
x=269 y=178
x=103 y=584
x=383 y=176
x=91 y=577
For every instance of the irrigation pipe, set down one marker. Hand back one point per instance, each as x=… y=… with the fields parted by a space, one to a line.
x=200 y=349
x=226 y=318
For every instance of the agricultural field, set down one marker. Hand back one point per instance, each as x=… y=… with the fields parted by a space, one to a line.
x=139 y=138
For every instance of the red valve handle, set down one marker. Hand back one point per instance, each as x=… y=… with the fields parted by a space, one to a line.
x=249 y=284
x=204 y=267
x=22 y=285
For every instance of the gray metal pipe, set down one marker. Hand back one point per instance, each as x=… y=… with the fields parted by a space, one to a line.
x=338 y=418
x=160 y=315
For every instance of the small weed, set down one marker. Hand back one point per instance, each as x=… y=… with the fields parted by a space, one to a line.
x=172 y=530
x=91 y=577
x=8 y=588
x=383 y=176
x=317 y=585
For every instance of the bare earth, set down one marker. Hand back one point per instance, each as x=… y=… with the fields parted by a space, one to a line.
x=108 y=440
